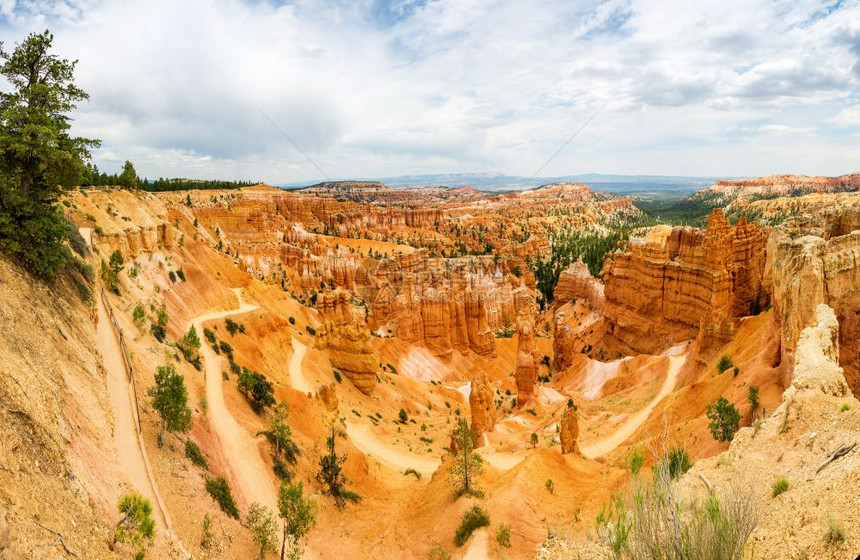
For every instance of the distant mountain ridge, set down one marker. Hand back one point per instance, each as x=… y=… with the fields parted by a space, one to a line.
x=498 y=182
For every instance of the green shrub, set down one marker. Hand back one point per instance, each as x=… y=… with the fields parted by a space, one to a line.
x=780 y=486
x=675 y=463
x=413 y=472
x=403 y=416
x=531 y=411
x=193 y=452
x=845 y=407
x=311 y=331
x=226 y=348
x=724 y=418
x=138 y=315
x=337 y=376
x=257 y=389
x=635 y=460
x=752 y=397
x=181 y=274
x=473 y=518
x=503 y=535
x=232 y=326
x=438 y=553
x=209 y=335
x=724 y=363
x=219 y=489
x=550 y=486
x=292 y=320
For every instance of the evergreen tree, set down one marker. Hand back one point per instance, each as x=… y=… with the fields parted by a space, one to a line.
x=331 y=469
x=468 y=464
x=37 y=155
x=128 y=177
x=724 y=418
x=280 y=436
x=170 y=400
x=136 y=526
x=264 y=529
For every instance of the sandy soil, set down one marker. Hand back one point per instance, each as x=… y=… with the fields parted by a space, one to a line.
x=606 y=445
x=240 y=448
x=477 y=546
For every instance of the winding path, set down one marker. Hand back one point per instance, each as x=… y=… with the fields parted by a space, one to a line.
x=240 y=449
x=619 y=436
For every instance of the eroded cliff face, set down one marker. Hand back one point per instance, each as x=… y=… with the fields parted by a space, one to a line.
x=674 y=284
x=527 y=361
x=346 y=338
x=813 y=261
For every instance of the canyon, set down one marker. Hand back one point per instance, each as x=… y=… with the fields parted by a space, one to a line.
x=396 y=313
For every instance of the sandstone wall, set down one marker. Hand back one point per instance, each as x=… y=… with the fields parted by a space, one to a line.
x=676 y=283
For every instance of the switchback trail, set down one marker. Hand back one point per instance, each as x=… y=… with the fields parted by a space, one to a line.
x=619 y=436
x=239 y=447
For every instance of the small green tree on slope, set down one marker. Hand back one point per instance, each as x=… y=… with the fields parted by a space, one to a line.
x=170 y=400
x=299 y=515
x=724 y=418
x=136 y=526
x=467 y=464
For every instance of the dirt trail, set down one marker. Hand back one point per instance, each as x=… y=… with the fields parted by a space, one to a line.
x=125 y=437
x=297 y=376
x=364 y=439
x=604 y=446
x=240 y=448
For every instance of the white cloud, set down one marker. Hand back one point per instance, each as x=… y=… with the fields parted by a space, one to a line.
x=849 y=116
x=370 y=89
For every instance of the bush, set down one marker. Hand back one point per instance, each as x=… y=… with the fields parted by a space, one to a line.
x=219 y=489
x=257 y=389
x=635 y=460
x=780 y=486
x=724 y=363
x=210 y=336
x=413 y=472
x=835 y=533
x=232 y=326
x=338 y=377
x=724 y=418
x=752 y=397
x=193 y=452
x=654 y=521
x=845 y=407
x=503 y=535
x=675 y=463
x=138 y=315
x=311 y=331
x=181 y=274
x=227 y=349
x=403 y=416
x=474 y=518
x=550 y=486
x=292 y=320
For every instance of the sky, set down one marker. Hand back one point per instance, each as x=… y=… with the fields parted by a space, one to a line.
x=369 y=88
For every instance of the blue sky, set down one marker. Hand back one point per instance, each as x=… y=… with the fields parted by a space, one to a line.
x=371 y=88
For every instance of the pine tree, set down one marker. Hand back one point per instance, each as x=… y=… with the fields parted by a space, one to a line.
x=128 y=178
x=299 y=515
x=468 y=464
x=37 y=155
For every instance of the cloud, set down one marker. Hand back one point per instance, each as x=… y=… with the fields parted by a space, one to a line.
x=849 y=116
x=409 y=86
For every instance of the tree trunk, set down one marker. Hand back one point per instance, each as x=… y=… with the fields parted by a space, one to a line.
x=161 y=435
x=284 y=543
